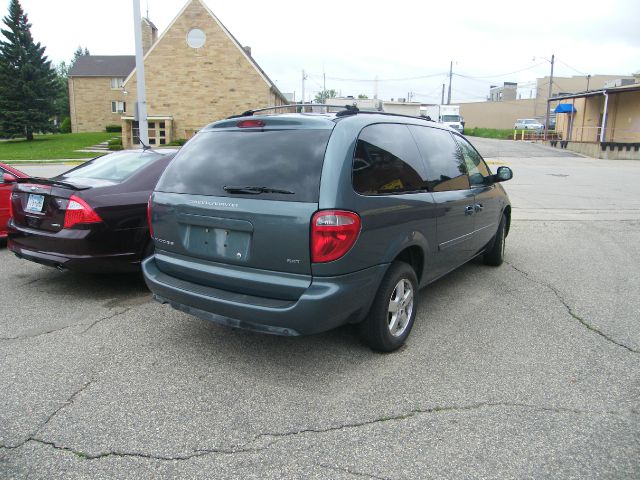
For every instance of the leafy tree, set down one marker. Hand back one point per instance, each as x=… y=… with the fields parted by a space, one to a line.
x=322 y=96
x=362 y=96
x=28 y=84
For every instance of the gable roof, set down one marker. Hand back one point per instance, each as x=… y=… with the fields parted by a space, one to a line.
x=248 y=57
x=103 y=66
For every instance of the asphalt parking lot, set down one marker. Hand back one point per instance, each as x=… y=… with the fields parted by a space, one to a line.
x=529 y=370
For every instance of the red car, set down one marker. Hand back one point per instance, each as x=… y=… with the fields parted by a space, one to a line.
x=9 y=176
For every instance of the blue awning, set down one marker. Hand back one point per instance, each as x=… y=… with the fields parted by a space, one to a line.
x=565 y=108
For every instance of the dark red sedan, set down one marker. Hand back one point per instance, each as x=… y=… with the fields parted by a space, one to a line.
x=9 y=178
x=92 y=218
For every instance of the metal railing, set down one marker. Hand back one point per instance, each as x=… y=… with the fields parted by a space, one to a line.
x=534 y=135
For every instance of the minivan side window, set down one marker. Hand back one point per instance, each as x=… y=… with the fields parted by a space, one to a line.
x=446 y=167
x=476 y=167
x=387 y=161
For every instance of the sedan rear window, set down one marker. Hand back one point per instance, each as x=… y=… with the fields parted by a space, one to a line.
x=280 y=160
x=116 y=167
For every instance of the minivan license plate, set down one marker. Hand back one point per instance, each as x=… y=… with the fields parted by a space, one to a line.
x=35 y=203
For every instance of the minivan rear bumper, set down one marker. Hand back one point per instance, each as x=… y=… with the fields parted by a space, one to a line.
x=327 y=303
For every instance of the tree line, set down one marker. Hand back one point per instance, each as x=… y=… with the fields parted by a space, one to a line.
x=34 y=93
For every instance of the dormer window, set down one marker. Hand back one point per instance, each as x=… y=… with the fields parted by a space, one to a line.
x=117 y=82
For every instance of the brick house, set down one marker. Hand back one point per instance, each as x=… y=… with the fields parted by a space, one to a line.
x=196 y=72
x=96 y=97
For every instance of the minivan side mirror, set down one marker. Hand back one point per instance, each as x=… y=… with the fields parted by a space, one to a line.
x=503 y=174
x=8 y=178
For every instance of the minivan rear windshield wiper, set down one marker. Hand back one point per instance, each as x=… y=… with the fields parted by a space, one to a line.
x=255 y=190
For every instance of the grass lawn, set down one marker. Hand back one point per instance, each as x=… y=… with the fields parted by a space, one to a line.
x=489 y=133
x=53 y=146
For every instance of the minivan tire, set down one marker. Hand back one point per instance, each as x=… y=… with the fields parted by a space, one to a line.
x=495 y=255
x=398 y=290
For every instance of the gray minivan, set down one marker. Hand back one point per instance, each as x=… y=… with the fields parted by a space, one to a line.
x=295 y=224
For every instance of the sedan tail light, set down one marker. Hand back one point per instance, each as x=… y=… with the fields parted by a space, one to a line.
x=79 y=211
x=333 y=233
x=11 y=206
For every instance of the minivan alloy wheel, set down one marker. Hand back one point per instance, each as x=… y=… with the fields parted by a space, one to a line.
x=400 y=307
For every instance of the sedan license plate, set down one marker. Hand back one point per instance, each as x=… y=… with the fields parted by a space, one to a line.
x=35 y=203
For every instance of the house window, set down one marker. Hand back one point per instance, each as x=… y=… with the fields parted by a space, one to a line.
x=117 y=82
x=118 y=107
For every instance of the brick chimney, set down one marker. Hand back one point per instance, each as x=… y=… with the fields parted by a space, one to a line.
x=149 y=35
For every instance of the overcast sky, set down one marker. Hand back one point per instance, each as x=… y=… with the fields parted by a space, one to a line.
x=354 y=41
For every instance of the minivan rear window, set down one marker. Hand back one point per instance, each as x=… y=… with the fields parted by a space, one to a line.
x=289 y=160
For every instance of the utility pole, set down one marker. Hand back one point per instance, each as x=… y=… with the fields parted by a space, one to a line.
x=324 y=87
x=588 y=80
x=141 y=111
x=546 y=123
x=450 y=76
x=304 y=77
x=442 y=101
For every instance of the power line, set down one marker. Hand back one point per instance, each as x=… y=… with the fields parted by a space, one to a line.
x=574 y=69
x=383 y=79
x=500 y=75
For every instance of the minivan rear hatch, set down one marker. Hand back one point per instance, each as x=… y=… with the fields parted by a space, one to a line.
x=232 y=210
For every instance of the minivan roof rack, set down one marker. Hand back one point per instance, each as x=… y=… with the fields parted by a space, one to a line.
x=342 y=109
x=345 y=110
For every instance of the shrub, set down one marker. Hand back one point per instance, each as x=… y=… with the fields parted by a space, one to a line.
x=115 y=142
x=489 y=133
x=116 y=147
x=178 y=142
x=65 y=126
x=113 y=128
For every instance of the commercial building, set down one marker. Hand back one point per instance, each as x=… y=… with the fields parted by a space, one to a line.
x=603 y=123
x=531 y=101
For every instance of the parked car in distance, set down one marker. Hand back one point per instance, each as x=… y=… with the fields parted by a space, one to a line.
x=9 y=178
x=92 y=218
x=295 y=224
x=528 y=124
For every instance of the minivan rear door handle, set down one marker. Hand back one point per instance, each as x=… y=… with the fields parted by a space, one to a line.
x=468 y=210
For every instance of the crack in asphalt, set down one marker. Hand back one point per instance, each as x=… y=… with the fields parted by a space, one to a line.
x=63 y=405
x=355 y=473
x=278 y=436
x=93 y=324
x=108 y=317
x=39 y=334
x=569 y=309
x=148 y=456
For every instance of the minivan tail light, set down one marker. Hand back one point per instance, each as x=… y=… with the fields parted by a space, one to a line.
x=250 y=124
x=149 y=216
x=333 y=233
x=79 y=211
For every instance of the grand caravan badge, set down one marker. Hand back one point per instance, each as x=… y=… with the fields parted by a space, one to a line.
x=214 y=204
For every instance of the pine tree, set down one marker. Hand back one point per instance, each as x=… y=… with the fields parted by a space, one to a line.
x=79 y=53
x=28 y=83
